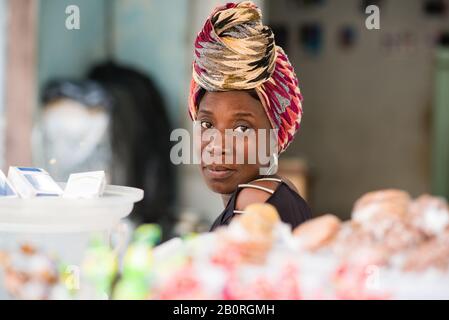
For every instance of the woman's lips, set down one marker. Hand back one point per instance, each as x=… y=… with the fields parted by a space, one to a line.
x=218 y=172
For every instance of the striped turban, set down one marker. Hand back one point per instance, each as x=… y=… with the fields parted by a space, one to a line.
x=235 y=51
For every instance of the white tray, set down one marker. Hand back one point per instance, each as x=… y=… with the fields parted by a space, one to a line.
x=60 y=215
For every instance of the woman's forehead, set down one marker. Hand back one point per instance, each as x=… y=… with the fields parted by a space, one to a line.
x=238 y=103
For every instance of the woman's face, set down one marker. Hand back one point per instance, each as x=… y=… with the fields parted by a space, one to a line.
x=239 y=113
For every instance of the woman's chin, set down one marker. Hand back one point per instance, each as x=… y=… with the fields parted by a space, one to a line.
x=221 y=187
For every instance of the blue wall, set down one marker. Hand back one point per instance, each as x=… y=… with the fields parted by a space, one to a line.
x=69 y=53
x=151 y=34
x=147 y=34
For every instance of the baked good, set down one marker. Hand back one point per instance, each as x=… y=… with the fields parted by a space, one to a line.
x=316 y=233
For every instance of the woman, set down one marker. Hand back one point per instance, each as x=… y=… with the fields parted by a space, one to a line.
x=243 y=82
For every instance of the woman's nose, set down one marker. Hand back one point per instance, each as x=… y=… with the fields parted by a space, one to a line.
x=217 y=144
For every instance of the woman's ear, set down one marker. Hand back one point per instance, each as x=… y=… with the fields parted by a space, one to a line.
x=274 y=164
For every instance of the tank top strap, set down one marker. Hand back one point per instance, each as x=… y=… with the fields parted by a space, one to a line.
x=253 y=186
x=268 y=179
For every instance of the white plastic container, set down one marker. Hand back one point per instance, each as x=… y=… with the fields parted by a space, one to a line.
x=62 y=215
x=62 y=227
x=6 y=189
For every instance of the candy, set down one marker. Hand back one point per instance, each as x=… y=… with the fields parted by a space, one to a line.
x=100 y=267
x=29 y=274
x=138 y=261
x=148 y=233
x=130 y=289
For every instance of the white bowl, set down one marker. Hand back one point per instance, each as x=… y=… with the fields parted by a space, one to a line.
x=61 y=215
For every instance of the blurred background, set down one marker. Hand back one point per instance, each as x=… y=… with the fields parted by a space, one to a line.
x=105 y=95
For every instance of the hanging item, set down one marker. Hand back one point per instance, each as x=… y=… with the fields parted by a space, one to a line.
x=280 y=36
x=140 y=140
x=307 y=3
x=435 y=8
x=114 y=121
x=74 y=128
x=402 y=42
x=347 y=36
x=311 y=38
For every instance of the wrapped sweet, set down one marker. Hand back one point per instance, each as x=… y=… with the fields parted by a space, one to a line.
x=150 y=234
x=130 y=289
x=29 y=274
x=99 y=270
x=137 y=276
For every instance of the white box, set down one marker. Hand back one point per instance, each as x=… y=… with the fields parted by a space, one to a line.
x=85 y=185
x=32 y=182
x=6 y=189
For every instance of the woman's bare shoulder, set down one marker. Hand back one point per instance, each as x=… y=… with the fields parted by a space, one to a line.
x=249 y=195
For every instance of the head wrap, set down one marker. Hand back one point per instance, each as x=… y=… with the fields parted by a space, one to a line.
x=235 y=51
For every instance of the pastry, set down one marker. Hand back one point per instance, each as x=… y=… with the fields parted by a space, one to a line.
x=374 y=206
x=259 y=219
x=430 y=215
x=318 y=232
x=431 y=254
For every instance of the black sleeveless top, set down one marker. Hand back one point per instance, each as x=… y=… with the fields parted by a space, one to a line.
x=292 y=208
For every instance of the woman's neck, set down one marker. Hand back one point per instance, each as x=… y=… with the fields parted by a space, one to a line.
x=225 y=198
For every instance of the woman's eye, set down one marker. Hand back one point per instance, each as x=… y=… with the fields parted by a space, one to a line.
x=241 y=129
x=206 y=125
